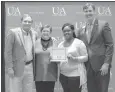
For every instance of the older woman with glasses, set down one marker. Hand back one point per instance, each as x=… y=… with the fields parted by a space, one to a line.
x=45 y=72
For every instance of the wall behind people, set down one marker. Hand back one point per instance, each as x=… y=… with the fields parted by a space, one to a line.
x=56 y=14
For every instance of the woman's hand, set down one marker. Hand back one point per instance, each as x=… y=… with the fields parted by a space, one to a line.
x=50 y=57
x=69 y=56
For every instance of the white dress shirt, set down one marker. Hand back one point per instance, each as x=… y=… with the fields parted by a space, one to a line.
x=28 y=46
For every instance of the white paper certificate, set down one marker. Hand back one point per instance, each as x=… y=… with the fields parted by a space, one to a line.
x=58 y=55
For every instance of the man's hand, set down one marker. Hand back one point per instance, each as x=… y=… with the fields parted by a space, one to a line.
x=104 y=69
x=11 y=72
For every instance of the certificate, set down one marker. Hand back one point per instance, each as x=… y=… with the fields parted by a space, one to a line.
x=58 y=55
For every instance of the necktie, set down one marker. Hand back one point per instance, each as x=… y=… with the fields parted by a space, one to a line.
x=88 y=32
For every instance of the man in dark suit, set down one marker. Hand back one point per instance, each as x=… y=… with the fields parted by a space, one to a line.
x=98 y=39
x=19 y=55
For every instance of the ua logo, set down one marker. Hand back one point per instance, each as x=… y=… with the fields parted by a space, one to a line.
x=13 y=11
x=104 y=11
x=58 y=11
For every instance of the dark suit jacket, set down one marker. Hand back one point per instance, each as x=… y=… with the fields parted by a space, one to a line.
x=100 y=47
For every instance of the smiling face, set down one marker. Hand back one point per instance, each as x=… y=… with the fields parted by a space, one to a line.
x=26 y=23
x=89 y=13
x=67 y=32
x=45 y=33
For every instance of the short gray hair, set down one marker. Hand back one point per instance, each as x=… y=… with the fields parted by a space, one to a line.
x=25 y=16
x=47 y=26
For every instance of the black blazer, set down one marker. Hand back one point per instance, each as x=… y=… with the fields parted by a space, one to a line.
x=100 y=47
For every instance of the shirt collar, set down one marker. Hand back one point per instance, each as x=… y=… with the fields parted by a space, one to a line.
x=25 y=33
x=92 y=22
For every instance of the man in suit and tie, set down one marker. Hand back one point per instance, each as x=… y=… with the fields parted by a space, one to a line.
x=19 y=55
x=98 y=39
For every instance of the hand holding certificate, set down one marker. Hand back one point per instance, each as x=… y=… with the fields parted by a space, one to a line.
x=58 y=55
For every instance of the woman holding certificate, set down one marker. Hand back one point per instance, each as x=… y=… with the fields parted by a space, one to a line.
x=72 y=70
x=45 y=72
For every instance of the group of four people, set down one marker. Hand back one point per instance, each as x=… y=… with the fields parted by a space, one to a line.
x=89 y=56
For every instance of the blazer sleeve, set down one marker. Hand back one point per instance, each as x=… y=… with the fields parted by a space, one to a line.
x=8 y=49
x=36 y=40
x=36 y=36
x=108 y=41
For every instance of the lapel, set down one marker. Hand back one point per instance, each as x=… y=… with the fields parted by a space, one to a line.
x=21 y=37
x=85 y=35
x=94 y=33
x=31 y=35
x=33 y=40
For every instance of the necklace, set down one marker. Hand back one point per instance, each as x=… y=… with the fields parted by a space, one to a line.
x=44 y=49
x=45 y=44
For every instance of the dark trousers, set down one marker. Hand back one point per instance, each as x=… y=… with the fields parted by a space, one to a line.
x=45 y=86
x=95 y=81
x=70 y=84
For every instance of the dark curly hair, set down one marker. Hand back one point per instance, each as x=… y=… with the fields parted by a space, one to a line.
x=72 y=28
